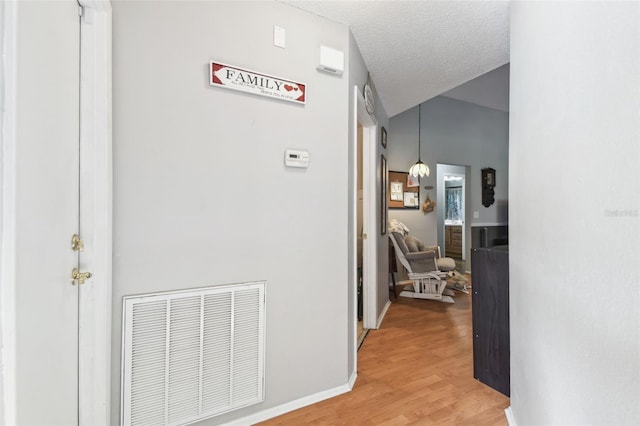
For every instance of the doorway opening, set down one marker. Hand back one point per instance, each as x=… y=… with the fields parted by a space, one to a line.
x=361 y=331
x=453 y=205
x=364 y=235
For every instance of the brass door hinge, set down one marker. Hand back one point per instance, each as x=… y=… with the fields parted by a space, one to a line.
x=76 y=243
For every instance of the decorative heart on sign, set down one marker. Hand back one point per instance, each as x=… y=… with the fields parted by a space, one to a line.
x=288 y=87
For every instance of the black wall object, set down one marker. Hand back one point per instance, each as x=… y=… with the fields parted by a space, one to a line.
x=490 y=313
x=488 y=183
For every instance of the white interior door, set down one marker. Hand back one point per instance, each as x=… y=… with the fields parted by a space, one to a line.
x=46 y=214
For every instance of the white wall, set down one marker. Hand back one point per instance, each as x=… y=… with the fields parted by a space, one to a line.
x=456 y=133
x=201 y=194
x=574 y=233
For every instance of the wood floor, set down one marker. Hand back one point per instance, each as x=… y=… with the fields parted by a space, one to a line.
x=416 y=370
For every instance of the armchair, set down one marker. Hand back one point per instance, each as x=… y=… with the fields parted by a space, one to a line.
x=428 y=281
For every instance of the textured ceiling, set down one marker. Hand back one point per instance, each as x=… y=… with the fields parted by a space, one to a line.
x=416 y=50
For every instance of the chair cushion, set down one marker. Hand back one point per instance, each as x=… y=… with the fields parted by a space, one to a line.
x=400 y=241
x=414 y=244
x=446 y=264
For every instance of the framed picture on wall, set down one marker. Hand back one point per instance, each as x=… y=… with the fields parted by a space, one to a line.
x=401 y=195
x=411 y=199
x=412 y=181
x=383 y=137
x=383 y=199
x=397 y=188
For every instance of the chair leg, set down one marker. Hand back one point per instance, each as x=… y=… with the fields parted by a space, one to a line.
x=428 y=286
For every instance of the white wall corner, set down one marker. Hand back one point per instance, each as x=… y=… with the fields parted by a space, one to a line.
x=352 y=380
x=510 y=419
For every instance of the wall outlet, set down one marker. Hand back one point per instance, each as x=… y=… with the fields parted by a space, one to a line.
x=476 y=215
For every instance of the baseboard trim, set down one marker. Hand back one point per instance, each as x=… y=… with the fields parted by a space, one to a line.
x=510 y=419
x=383 y=313
x=279 y=410
x=352 y=380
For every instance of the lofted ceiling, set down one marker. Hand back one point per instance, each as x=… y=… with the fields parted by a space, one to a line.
x=489 y=90
x=416 y=50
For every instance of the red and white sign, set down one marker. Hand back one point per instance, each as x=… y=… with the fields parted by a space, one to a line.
x=235 y=78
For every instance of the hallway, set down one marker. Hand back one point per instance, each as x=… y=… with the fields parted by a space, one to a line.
x=417 y=369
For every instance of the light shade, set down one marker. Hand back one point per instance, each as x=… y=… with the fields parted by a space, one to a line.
x=419 y=169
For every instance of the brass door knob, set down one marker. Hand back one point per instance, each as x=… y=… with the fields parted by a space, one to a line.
x=81 y=277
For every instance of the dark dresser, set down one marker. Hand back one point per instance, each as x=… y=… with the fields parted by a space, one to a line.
x=490 y=307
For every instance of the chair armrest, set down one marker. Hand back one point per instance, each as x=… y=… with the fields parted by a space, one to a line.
x=420 y=255
x=436 y=249
x=422 y=261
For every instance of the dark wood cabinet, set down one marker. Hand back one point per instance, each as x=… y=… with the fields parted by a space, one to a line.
x=490 y=312
x=453 y=241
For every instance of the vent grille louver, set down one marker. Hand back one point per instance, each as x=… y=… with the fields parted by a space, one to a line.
x=193 y=354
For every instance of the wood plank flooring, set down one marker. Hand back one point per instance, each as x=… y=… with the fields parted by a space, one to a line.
x=416 y=370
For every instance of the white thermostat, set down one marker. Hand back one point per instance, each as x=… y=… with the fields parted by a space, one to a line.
x=295 y=158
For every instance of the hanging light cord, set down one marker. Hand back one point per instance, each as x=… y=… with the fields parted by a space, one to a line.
x=419 y=169
x=419 y=127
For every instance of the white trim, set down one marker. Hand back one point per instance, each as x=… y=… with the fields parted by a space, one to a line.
x=369 y=207
x=353 y=268
x=279 y=410
x=370 y=188
x=383 y=313
x=96 y=214
x=352 y=380
x=510 y=419
x=8 y=385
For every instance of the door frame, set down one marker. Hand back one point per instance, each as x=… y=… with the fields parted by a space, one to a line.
x=96 y=203
x=8 y=284
x=96 y=193
x=443 y=169
x=369 y=210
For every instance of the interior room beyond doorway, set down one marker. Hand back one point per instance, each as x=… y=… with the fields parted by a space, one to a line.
x=452 y=213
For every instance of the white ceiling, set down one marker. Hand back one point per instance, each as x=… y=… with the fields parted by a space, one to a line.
x=416 y=50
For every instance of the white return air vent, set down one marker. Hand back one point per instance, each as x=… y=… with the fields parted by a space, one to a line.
x=193 y=354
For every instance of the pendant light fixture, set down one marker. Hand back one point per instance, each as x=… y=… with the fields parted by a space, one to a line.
x=419 y=169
